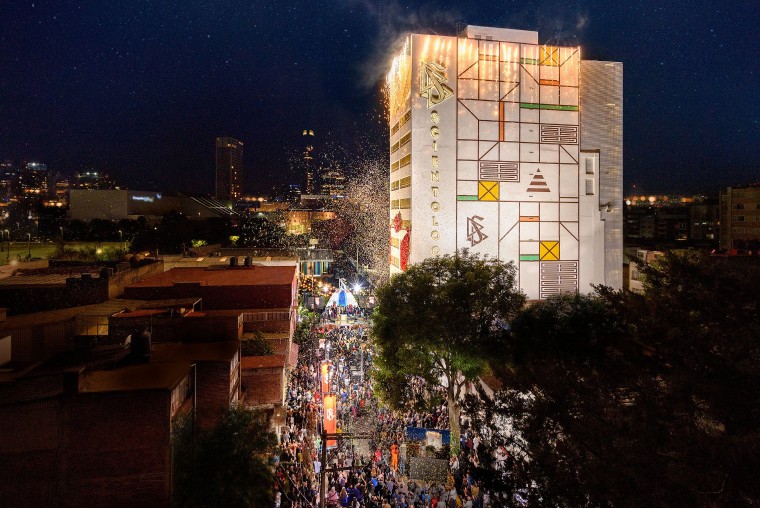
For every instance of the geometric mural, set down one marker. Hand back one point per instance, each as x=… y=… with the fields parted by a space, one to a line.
x=485 y=154
x=517 y=119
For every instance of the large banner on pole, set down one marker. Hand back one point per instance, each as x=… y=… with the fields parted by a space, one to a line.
x=330 y=418
x=325 y=371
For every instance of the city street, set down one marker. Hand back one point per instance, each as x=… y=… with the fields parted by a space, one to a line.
x=369 y=467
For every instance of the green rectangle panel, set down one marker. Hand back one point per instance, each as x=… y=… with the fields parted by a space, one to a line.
x=531 y=61
x=467 y=198
x=532 y=105
x=529 y=257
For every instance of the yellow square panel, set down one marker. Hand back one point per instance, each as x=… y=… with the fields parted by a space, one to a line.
x=548 y=55
x=548 y=251
x=488 y=191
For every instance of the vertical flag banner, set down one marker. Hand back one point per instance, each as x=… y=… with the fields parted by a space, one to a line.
x=330 y=418
x=325 y=377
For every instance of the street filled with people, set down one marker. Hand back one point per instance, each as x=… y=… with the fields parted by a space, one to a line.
x=367 y=460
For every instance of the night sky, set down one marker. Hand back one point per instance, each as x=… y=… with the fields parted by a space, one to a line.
x=141 y=88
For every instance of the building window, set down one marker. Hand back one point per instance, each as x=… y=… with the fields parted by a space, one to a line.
x=589 y=186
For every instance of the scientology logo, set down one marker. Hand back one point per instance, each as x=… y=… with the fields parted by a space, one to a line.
x=432 y=83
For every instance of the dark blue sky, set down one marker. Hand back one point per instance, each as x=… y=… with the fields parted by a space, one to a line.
x=141 y=88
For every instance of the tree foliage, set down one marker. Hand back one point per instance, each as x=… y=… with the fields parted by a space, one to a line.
x=619 y=399
x=226 y=466
x=436 y=326
x=256 y=345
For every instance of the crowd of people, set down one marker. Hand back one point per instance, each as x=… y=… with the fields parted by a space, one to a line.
x=372 y=470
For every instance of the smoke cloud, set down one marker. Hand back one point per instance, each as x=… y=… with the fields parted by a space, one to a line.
x=393 y=21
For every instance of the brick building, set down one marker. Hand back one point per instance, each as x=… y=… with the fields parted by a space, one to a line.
x=96 y=430
x=225 y=287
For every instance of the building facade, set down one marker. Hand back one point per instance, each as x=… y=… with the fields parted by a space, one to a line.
x=229 y=169
x=740 y=217
x=510 y=149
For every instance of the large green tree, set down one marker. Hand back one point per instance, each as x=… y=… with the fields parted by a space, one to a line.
x=226 y=466
x=616 y=399
x=436 y=326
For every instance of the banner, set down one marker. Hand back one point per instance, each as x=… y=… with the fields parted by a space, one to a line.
x=325 y=370
x=330 y=418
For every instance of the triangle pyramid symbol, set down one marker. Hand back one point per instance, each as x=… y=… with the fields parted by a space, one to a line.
x=538 y=184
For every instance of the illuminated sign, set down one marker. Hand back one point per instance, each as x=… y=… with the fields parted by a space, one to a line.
x=433 y=83
x=147 y=199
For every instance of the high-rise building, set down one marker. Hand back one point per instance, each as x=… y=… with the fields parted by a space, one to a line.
x=92 y=179
x=333 y=181
x=229 y=169
x=511 y=149
x=309 y=166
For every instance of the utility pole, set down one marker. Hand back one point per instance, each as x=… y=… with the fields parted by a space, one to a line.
x=323 y=471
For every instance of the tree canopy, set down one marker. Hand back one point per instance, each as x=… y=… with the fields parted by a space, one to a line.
x=436 y=325
x=226 y=466
x=616 y=399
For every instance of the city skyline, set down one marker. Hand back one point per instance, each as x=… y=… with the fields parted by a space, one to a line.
x=138 y=90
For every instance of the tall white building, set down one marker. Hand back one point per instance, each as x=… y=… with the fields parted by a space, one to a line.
x=510 y=148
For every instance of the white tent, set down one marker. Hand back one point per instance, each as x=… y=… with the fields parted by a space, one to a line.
x=342 y=297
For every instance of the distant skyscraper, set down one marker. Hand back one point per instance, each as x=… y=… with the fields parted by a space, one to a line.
x=309 y=167
x=229 y=169
x=333 y=181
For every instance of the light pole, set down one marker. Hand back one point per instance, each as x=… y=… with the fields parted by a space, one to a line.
x=8 y=255
x=2 y=239
x=29 y=244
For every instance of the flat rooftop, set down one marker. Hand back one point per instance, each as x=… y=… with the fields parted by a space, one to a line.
x=60 y=315
x=147 y=376
x=223 y=276
x=47 y=277
x=169 y=364
x=263 y=362
x=222 y=351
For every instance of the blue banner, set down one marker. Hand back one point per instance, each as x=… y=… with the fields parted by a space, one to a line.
x=420 y=434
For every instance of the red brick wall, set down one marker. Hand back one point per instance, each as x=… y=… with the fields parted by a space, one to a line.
x=212 y=392
x=264 y=386
x=119 y=449
x=86 y=450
